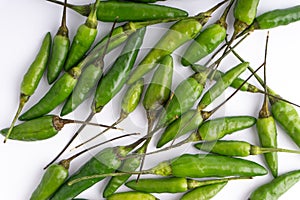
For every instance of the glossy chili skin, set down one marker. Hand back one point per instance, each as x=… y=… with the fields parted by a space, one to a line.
x=187 y=122
x=128 y=11
x=247 y=87
x=159 y=89
x=206 y=165
x=266 y=129
x=277 y=187
x=185 y=96
x=131 y=196
x=204 y=192
x=286 y=115
x=54 y=177
x=84 y=38
x=278 y=17
x=218 y=128
x=128 y=165
x=60 y=90
x=207 y=41
x=179 y=33
x=114 y=80
x=224 y=82
x=36 y=129
x=244 y=13
x=106 y=161
x=36 y=70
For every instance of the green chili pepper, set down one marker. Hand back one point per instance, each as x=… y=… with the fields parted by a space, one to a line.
x=116 y=77
x=178 y=34
x=277 y=187
x=224 y=82
x=54 y=177
x=171 y=185
x=131 y=196
x=127 y=11
x=207 y=41
x=276 y=18
x=129 y=164
x=195 y=166
x=83 y=39
x=141 y=1
x=61 y=44
x=235 y=84
x=208 y=131
x=42 y=128
x=32 y=78
x=244 y=13
x=204 y=193
x=237 y=148
x=106 y=161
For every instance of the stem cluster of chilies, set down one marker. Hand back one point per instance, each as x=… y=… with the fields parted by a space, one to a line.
x=166 y=110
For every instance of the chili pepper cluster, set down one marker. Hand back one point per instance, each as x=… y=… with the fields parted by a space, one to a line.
x=75 y=72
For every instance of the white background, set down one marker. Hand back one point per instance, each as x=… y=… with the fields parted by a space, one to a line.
x=24 y=24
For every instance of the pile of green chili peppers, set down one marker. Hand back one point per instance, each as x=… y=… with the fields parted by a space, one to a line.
x=76 y=70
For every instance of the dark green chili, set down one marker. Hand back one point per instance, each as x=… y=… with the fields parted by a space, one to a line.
x=131 y=196
x=172 y=184
x=61 y=44
x=84 y=38
x=237 y=148
x=32 y=78
x=106 y=161
x=178 y=34
x=127 y=11
x=195 y=166
x=277 y=187
x=204 y=193
x=42 y=128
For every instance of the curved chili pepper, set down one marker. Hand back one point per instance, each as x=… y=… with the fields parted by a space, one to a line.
x=127 y=11
x=32 y=78
x=84 y=38
x=131 y=196
x=204 y=193
x=277 y=187
x=61 y=44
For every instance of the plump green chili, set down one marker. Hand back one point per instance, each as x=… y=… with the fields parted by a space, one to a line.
x=204 y=193
x=171 y=184
x=131 y=196
x=42 y=128
x=277 y=187
x=127 y=11
x=244 y=13
x=237 y=148
x=275 y=18
x=106 y=161
x=84 y=38
x=54 y=176
x=247 y=87
x=32 y=78
x=224 y=82
x=61 y=44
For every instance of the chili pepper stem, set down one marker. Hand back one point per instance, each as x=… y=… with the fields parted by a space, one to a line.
x=70 y=141
x=255 y=150
x=122 y=117
x=23 y=100
x=90 y=123
x=83 y=10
